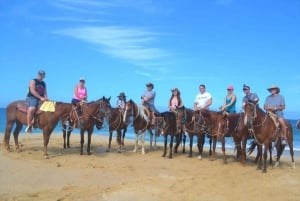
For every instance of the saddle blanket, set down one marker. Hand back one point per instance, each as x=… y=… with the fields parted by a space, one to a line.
x=48 y=106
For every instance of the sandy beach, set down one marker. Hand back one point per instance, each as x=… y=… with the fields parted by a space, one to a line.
x=129 y=176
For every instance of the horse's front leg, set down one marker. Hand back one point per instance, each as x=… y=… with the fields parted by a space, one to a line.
x=191 y=145
x=151 y=138
x=223 y=149
x=214 y=144
x=165 y=145
x=136 y=141
x=183 y=143
x=90 y=132
x=259 y=156
x=266 y=149
x=143 y=142
x=201 y=141
x=109 y=140
x=64 y=129
x=46 y=136
x=16 y=136
x=243 y=150
x=81 y=141
x=70 y=129
x=171 y=146
x=7 y=134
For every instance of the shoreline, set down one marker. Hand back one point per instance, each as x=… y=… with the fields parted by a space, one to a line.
x=125 y=176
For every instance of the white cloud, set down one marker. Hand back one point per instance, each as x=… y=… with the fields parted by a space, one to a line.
x=131 y=44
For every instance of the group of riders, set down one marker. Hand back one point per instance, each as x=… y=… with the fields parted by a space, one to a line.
x=274 y=103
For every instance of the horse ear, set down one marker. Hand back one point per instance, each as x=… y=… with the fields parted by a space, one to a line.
x=109 y=98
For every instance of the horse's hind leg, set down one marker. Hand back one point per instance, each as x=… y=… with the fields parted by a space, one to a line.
x=191 y=146
x=171 y=146
x=143 y=142
x=90 y=132
x=16 y=135
x=165 y=145
x=6 y=139
x=70 y=129
x=81 y=141
x=64 y=130
x=109 y=141
x=136 y=141
x=223 y=149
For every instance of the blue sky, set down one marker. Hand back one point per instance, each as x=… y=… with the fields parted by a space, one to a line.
x=119 y=45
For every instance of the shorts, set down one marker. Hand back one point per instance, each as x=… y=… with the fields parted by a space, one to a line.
x=32 y=101
x=279 y=114
x=151 y=108
x=75 y=101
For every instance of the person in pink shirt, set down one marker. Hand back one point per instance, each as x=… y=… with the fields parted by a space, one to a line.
x=80 y=92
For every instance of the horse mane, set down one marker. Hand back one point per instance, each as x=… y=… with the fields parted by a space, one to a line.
x=142 y=113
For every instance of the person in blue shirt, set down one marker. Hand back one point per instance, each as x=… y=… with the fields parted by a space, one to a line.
x=249 y=96
x=148 y=98
x=229 y=101
x=275 y=103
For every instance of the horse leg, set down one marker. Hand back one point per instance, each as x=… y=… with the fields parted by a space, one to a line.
x=81 y=141
x=70 y=129
x=90 y=132
x=64 y=129
x=214 y=143
x=119 y=133
x=46 y=136
x=143 y=142
x=201 y=141
x=109 y=140
x=165 y=145
x=191 y=146
x=265 y=157
x=223 y=149
x=259 y=157
x=171 y=146
x=136 y=141
x=16 y=135
x=270 y=151
x=243 y=151
x=178 y=140
x=8 y=128
x=151 y=138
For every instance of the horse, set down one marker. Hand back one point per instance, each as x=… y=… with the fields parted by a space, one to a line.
x=185 y=116
x=213 y=123
x=92 y=113
x=115 y=121
x=279 y=147
x=165 y=124
x=141 y=122
x=16 y=113
x=263 y=129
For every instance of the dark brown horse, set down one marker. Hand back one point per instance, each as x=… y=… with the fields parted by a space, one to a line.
x=116 y=123
x=46 y=121
x=277 y=144
x=165 y=124
x=263 y=129
x=214 y=124
x=185 y=116
x=141 y=122
x=92 y=113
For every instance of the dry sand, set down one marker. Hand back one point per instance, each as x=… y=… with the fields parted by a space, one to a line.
x=129 y=176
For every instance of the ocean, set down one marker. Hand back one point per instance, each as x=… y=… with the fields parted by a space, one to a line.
x=130 y=133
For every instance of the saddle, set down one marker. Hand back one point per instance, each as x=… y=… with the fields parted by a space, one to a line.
x=22 y=107
x=274 y=118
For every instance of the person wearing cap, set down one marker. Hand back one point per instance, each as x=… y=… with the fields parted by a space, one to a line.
x=80 y=92
x=121 y=101
x=203 y=100
x=37 y=92
x=148 y=98
x=229 y=101
x=275 y=103
x=252 y=97
x=175 y=100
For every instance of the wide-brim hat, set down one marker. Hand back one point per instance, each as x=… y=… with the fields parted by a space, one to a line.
x=149 y=84
x=122 y=94
x=175 y=89
x=274 y=87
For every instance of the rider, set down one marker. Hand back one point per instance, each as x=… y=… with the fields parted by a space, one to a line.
x=252 y=97
x=121 y=101
x=80 y=92
x=203 y=99
x=275 y=103
x=37 y=92
x=229 y=101
x=148 y=98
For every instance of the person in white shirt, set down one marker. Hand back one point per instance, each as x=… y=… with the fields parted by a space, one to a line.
x=203 y=100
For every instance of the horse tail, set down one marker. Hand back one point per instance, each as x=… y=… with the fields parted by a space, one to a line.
x=252 y=147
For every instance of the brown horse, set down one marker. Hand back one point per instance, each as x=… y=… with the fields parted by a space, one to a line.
x=92 y=113
x=165 y=124
x=116 y=123
x=185 y=116
x=141 y=122
x=214 y=124
x=263 y=130
x=46 y=121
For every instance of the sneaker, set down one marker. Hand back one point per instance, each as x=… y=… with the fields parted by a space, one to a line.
x=28 y=129
x=186 y=133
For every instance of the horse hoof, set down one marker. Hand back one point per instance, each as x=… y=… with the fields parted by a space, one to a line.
x=293 y=165
x=212 y=159
x=264 y=171
x=199 y=157
x=89 y=153
x=143 y=153
x=134 y=150
x=46 y=156
x=164 y=155
x=81 y=153
x=107 y=150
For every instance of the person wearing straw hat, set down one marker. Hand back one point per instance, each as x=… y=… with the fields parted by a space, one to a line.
x=80 y=92
x=148 y=98
x=275 y=103
x=37 y=92
x=229 y=101
x=121 y=101
x=249 y=96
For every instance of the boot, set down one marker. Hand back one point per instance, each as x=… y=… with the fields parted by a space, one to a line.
x=284 y=135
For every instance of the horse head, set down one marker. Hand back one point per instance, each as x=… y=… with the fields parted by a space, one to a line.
x=181 y=117
x=104 y=105
x=250 y=109
x=128 y=111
